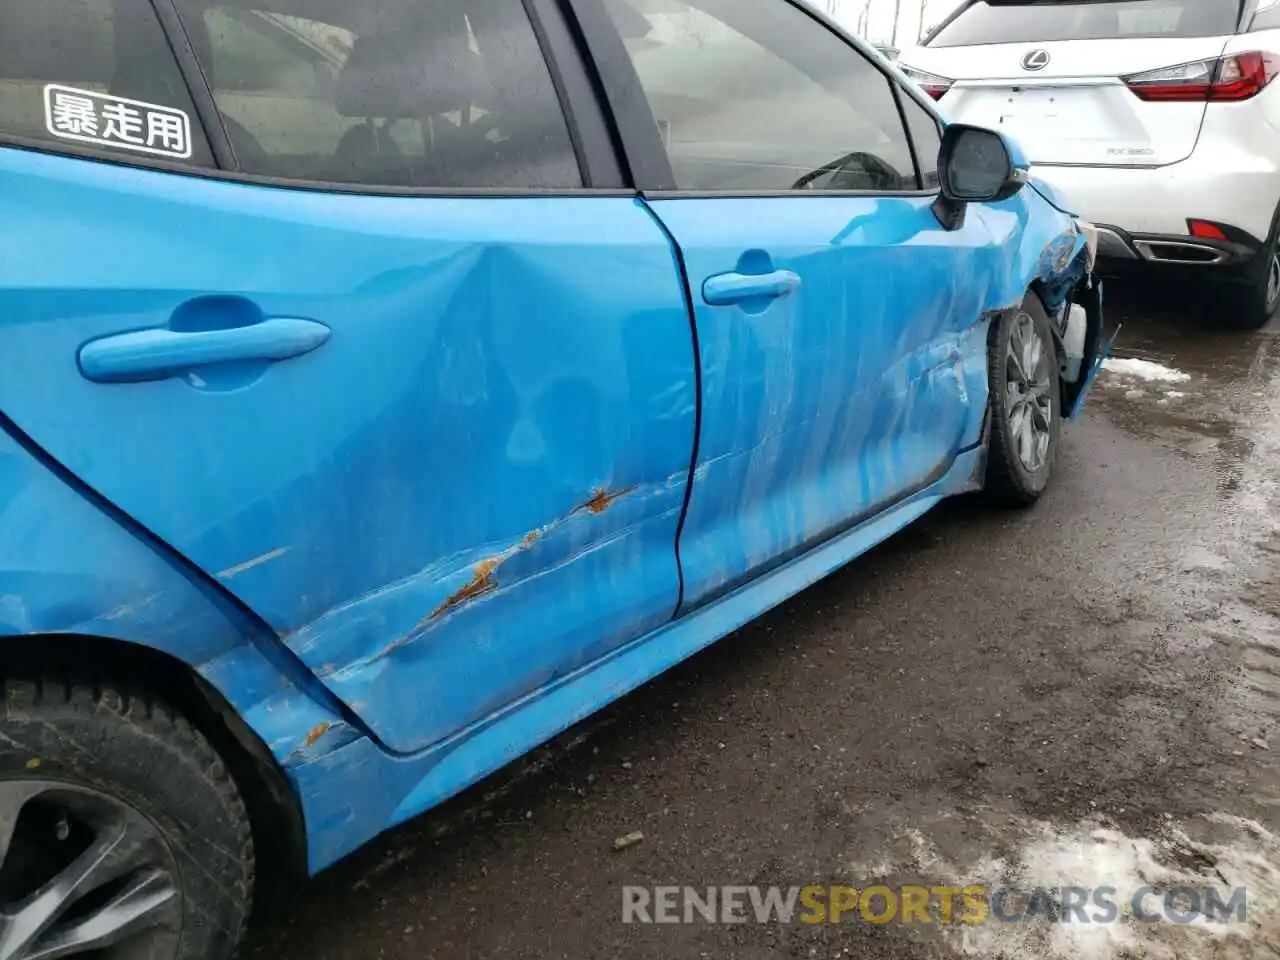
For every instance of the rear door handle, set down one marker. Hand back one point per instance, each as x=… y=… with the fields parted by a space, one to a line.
x=730 y=288
x=159 y=353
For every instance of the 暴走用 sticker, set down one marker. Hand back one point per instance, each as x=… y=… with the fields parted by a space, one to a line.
x=88 y=117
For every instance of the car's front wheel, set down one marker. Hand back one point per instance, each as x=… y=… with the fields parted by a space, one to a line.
x=122 y=835
x=1026 y=405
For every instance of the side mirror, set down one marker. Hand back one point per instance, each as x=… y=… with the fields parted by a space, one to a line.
x=976 y=165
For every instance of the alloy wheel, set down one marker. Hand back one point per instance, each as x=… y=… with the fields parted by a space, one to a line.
x=1028 y=400
x=83 y=874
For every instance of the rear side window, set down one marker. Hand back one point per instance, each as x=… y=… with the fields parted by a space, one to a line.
x=413 y=93
x=985 y=22
x=95 y=73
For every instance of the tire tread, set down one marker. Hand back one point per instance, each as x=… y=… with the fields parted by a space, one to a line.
x=121 y=709
x=1005 y=483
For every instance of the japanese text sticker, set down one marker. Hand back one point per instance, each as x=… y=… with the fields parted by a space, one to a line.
x=73 y=114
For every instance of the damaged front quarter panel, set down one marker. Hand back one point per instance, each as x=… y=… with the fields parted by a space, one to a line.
x=1049 y=251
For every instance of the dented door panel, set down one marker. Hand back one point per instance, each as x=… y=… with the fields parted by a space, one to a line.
x=830 y=403
x=862 y=384
x=471 y=489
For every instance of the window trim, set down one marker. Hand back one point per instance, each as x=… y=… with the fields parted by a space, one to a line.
x=653 y=174
x=198 y=87
x=623 y=97
x=938 y=125
x=598 y=161
x=566 y=61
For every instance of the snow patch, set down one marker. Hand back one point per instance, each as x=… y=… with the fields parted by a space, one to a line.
x=1144 y=370
x=1217 y=851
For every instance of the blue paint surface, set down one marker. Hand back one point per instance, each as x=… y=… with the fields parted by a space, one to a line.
x=502 y=488
x=68 y=568
x=411 y=504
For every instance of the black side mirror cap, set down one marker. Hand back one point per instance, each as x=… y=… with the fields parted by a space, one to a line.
x=976 y=165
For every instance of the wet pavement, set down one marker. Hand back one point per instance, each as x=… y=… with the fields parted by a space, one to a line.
x=1084 y=694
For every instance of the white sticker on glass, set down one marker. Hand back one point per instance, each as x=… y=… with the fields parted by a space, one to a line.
x=88 y=117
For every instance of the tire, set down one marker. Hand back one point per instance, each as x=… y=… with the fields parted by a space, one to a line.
x=1255 y=300
x=92 y=769
x=1017 y=474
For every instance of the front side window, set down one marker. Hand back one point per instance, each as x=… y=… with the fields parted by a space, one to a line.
x=95 y=74
x=759 y=96
x=985 y=22
x=447 y=93
x=927 y=136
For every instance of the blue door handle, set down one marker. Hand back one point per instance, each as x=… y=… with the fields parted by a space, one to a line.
x=728 y=288
x=161 y=352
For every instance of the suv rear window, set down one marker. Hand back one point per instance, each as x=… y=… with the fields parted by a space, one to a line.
x=988 y=21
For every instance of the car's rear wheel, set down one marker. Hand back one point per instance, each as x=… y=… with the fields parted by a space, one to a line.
x=1025 y=405
x=1257 y=299
x=122 y=835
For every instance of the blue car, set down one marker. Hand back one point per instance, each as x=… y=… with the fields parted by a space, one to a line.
x=387 y=386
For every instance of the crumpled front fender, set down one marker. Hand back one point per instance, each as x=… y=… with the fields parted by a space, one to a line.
x=1043 y=249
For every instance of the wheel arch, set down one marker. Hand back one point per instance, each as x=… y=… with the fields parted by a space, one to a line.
x=84 y=585
x=275 y=813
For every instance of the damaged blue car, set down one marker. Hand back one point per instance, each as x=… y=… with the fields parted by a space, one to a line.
x=387 y=386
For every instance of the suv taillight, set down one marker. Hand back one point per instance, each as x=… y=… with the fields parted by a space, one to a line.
x=1225 y=79
x=932 y=84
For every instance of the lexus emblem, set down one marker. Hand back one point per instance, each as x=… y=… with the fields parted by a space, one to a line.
x=1036 y=60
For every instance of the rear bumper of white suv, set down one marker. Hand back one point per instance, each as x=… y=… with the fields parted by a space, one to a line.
x=1143 y=214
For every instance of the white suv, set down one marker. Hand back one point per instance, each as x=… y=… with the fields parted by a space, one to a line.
x=1156 y=119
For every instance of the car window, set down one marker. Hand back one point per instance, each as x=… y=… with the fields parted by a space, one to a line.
x=1267 y=17
x=95 y=73
x=986 y=22
x=385 y=92
x=926 y=134
x=760 y=96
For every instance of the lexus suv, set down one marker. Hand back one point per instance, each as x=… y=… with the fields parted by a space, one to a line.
x=1156 y=119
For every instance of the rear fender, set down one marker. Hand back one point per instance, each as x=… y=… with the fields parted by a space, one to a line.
x=69 y=567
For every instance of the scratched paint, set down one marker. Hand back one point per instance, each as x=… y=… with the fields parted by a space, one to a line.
x=250 y=564
x=601 y=499
x=854 y=389
x=511 y=566
x=483 y=578
x=469 y=598
x=493 y=363
x=316 y=732
x=85 y=576
x=481 y=582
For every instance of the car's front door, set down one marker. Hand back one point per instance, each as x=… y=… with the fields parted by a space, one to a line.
x=842 y=361
x=412 y=394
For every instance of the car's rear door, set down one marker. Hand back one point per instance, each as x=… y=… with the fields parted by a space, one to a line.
x=1053 y=75
x=411 y=376
x=839 y=326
